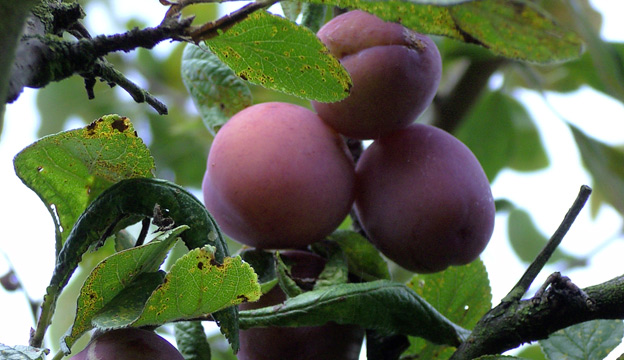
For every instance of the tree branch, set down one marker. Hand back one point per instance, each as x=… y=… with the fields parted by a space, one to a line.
x=556 y=305
x=538 y=264
x=48 y=58
x=562 y=304
x=14 y=16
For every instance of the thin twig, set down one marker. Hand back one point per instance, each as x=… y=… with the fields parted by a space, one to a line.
x=107 y=72
x=211 y=29
x=537 y=265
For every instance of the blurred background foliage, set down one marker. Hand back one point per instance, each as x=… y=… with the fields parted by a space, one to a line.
x=495 y=125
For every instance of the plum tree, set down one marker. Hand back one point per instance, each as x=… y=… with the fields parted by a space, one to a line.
x=395 y=73
x=329 y=341
x=423 y=199
x=278 y=177
x=129 y=344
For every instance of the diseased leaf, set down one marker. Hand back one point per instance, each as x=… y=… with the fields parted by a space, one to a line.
x=215 y=89
x=196 y=286
x=191 y=340
x=20 y=352
x=276 y=53
x=114 y=274
x=137 y=197
x=592 y=340
x=70 y=169
x=511 y=28
x=605 y=165
x=462 y=294
x=382 y=305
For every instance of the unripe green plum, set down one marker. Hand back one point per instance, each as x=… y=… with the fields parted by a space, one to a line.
x=423 y=199
x=129 y=344
x=395 y=73
x=278 y=177
x=330 y=341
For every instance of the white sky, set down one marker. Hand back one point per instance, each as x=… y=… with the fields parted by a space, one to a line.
x=28 y=233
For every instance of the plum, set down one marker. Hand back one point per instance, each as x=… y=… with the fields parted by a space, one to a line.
x=329 y=341
x=423 y=199
x=278 y=177
x=129 y=344
x=395 y=73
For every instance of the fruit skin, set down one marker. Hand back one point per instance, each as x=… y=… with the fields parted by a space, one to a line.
x=330 y=341
x=129 y=344
x=395 y=73
x=424 y=200
x=278 y=177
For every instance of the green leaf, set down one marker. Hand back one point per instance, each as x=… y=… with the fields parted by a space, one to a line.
x=363 y=258
x=70 y=169
x=605 y=165
x=20 y=352
x=284 y=278
x=196 y=286
x=191 y=340
x=215 y=89
x=499 y=357
x=383 y=305
x=276 y=53
x=527 y=241
x=336 y=270
x=513 y=29
x=592 y=340
x=461 y=293
x=114 y=274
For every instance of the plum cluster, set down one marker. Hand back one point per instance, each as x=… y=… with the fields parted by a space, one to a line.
x=279 y=176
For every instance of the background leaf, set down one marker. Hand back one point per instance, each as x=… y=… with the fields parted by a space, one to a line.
x=114 y=274
x=276 y=53
x=70 y=169
x=527 y=241
x=382 y=305
x=605 y=165
x=592 y=340
x=462 y=294
x=215 y=89
x=501 y=133
x=195 y=286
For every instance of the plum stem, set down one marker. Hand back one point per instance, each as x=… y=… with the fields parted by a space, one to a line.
x=537 y=265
